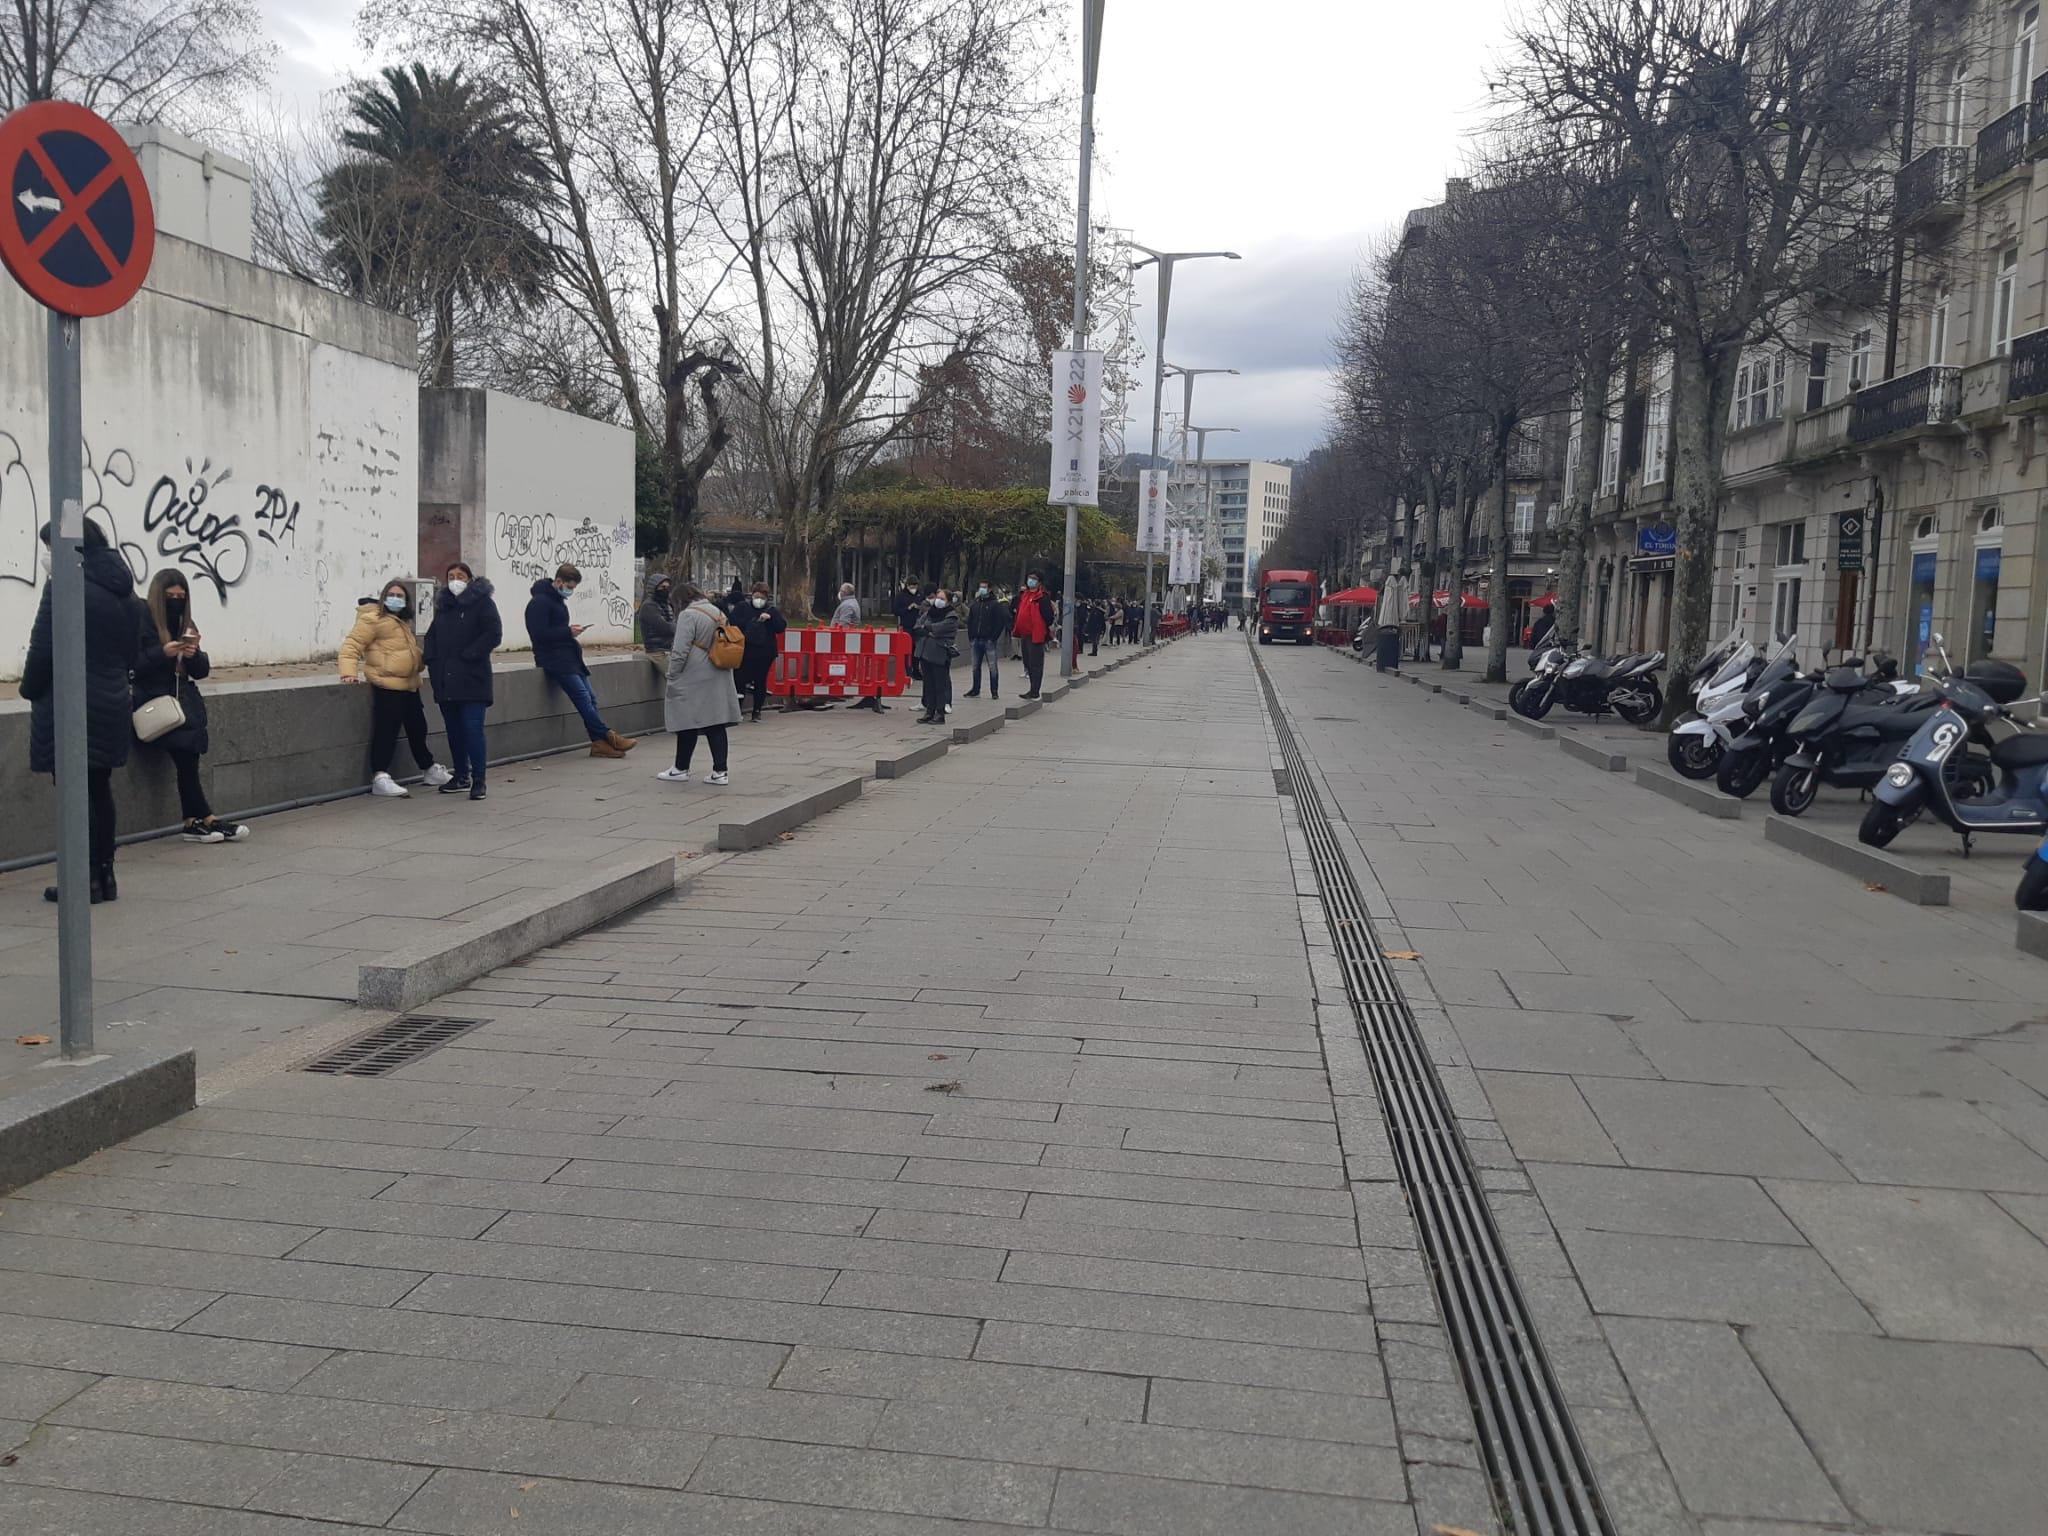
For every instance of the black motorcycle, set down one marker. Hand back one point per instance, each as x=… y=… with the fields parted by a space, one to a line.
x=1762 y=745
x=1845 y=736
x=1588 y=685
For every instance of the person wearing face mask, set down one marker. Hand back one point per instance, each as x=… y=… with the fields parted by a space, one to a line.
x=698 y=700
x=110 y=636
x=383 y=651
x=170 y=664
x=762 y=623
x=1033 y=628
x=988 y=620
x=848 y=611
x=935 y=628
x=658 y=621
x=558 y=653
x=905 y=606
x=466 y=629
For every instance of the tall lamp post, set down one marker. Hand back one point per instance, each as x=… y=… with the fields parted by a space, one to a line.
x=1091 y=59
x=1202 y=457
x=1166 y=261
x=1187 y=412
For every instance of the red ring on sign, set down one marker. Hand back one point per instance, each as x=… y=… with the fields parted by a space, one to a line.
x=21 y=136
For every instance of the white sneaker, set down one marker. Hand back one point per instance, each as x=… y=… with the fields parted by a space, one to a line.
x=384 y=784
x=438 y=775
x=718 y=776
x=674 y=775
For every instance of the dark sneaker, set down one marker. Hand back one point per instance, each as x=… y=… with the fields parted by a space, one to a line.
x=456 y=786
x=476 y=790
x=197 y=831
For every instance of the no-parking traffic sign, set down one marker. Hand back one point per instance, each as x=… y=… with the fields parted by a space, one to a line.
x=77 y=229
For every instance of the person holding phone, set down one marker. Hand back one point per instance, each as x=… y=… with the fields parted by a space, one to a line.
x=558 y=653
x=169 y=662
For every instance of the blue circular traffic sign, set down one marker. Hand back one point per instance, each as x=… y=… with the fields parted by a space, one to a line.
x=77 y=229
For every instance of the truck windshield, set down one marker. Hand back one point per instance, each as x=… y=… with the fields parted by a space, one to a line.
x=1288 y=595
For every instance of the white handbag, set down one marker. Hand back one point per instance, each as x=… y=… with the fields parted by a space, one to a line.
x=161 y=716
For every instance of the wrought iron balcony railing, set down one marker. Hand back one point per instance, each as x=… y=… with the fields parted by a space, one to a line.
x=2029 y=374
x=1934 y=186
x=2002 y=144
x=1925 y=398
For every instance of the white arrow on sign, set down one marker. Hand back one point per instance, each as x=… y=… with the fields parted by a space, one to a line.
x=32 y=202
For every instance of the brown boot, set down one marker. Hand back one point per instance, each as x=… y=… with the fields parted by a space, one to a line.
x=604 y=749
x=623 y=743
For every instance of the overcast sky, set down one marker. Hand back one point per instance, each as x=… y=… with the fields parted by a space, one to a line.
x=1291 y=131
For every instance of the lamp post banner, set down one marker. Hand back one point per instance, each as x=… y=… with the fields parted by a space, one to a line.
x=1076 y=429
x=1151 y=511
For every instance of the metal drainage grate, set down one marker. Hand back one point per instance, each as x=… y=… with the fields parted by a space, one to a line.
x=387 y=1048
x=1542 y=1478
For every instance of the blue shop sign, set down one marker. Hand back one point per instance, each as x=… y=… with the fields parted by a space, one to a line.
x=1657 y=539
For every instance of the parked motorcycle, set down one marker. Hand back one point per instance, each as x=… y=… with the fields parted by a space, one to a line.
x=1770 y=709
x=1589 y=685
x=1844 y=737
x=1720 y=682
x=1974 y=777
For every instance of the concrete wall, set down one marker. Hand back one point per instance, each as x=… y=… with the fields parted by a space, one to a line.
x=257 y=433
x=296 y=738
x=521 y=488
x=196 y=193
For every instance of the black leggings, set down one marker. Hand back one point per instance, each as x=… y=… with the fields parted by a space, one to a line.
x=191 y=793
x=393 y=710
x=99 y=811
x=754 y=678
x=686 y=744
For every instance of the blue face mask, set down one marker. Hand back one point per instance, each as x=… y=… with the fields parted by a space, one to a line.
x=1032 y=583
x=565 y=591
x=394 y=602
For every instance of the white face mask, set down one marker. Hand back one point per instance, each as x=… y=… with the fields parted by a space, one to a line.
x=938 y=602
x=760 y=602
x=458 y=586
x=981 y=592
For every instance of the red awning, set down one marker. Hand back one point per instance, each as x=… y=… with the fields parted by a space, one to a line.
x=1547 y=600
x=1353 y=597
x=1442 y=600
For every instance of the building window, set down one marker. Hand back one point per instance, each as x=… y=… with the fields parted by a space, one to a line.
x=2025 y=28
x=1656 y=437
x=1920 y=595
x=1952 y=112
x=1984 y=589
x=1525 y=524
x=1571 y=463
x=2002 y=300
x=1610 y=458
x=1817 y=376
x=1937 y=327
x=1859 y=361
x=1789 y=580
x=1760 y=391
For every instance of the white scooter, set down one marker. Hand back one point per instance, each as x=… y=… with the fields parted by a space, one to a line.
x=1696 y=743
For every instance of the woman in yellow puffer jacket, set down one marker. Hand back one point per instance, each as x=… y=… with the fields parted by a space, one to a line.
x=384 y=651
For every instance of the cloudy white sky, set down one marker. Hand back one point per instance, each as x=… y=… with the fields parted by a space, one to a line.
x=1292 y=131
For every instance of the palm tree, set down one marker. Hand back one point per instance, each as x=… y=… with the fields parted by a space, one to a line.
x=437 y=205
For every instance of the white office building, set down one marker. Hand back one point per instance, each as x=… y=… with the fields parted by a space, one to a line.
x=1251 y=498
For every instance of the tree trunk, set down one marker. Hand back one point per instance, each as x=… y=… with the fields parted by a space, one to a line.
x=1699 y=408
x=1576 y=528
x=1407 y=558
x=1454 y=634
x=1497 y=548
x=795 y=576
x=444 y=340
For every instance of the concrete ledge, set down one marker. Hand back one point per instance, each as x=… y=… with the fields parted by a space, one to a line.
x=1530 y=727
x=738 y=836
x=1707 y=801
x=1898 y=878
x=73 y=1112
x=1599 y=757
x=907 y=762
x=1053 y=691
x=1022 y=708
x=963 y=734
x=2033 y=934
x=408 y=977
x=1488 y=708
x=1079 y=678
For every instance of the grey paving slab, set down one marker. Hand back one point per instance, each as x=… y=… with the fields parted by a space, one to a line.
x=1661 y=1204
x=1143 y=1506
x=902 y=1483
x=1917 y=1141
x=1707 y=1129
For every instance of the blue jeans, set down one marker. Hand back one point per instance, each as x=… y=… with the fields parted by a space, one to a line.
x=991 y=649
x=577 y=686
x=465 y=721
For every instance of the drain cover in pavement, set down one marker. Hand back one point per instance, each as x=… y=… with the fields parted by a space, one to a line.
x=390 y=1046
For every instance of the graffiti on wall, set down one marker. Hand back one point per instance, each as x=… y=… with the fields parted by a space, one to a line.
x=587 y=544
x=525 y=545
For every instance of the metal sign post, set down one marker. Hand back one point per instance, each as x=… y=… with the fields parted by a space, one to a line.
x=77 y=232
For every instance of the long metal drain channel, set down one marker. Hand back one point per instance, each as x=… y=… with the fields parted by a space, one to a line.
x=1542 y=1479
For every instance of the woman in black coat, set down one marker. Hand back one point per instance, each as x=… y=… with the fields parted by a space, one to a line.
x=110 y=633
x=458 y=646
x=935 y=627
x=761 y=625
x=169 y=663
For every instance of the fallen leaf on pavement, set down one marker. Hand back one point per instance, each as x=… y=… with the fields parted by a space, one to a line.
x=529 y=1485
x=787 y=837
x=9 y=1459
x=1872 y=885
x=941 y=1087
x=1452 y=1530
x=936 y=1057
x=1402 y=954
x=32 y=1040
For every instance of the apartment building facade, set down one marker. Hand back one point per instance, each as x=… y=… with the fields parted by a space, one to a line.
x=1249 y=499
x=1866 y=510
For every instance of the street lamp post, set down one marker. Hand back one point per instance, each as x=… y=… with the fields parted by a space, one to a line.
x=1091 y=58
x=1201 y=458
x=1187 y=412
x=1166 y=260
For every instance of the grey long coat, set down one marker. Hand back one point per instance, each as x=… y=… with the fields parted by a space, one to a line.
x=698 y=694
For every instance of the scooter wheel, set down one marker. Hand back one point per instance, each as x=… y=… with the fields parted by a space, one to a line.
x=1881 y=823
x=1741 y=772
x=2032 y=896
x=1692 y=757
x=1793 y=790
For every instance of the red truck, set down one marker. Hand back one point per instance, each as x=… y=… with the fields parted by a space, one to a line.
x=1287 y=606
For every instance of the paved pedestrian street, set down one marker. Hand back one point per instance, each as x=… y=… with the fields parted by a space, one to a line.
x=1000 y=1152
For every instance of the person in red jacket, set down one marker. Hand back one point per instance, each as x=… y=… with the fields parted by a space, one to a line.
x=1035 y=619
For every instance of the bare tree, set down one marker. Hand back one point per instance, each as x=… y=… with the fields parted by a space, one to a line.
x=1749 y=127
x=189 y=63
